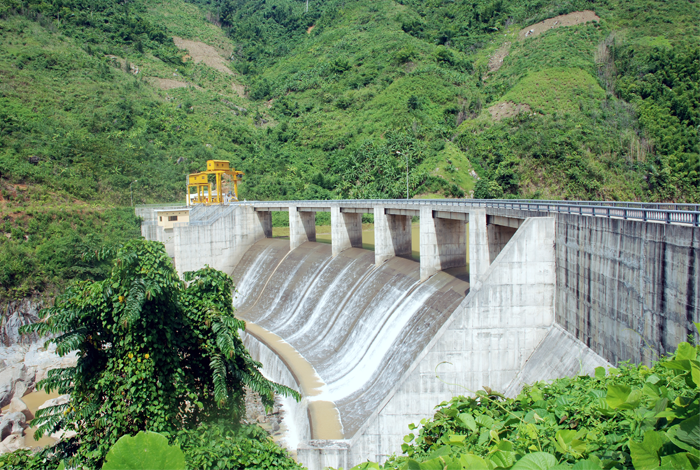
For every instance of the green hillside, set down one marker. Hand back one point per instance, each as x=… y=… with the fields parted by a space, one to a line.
x=99 y=102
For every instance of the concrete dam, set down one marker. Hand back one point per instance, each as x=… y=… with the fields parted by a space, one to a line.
x=553 y=289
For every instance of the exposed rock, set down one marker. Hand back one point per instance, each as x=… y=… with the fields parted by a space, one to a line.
x=62 y=434
x=62 y=400
x=5 y=428
x=18 y=420
x=18 y=405
x=15 y=380
x=14 y=442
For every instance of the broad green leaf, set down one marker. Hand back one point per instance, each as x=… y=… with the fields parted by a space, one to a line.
x=456 y=438
x=586 y=465
x=433 y=464
x=676 y=461
x=468 y=420
x=473 y=462
x=653 y=379
x=146 y=450
x=413 y=465
x=686 y=351
x=600 y=372
x=617 y=395
x=408 y=438
x=502 y=458
x=505 y=445
x=676 y=365
x=485 y=421
x=62 y=466
x=536 y=461
x=561 y=466
x=695 y=373
x=689 y=431
x=366 y=465
x=645 y=455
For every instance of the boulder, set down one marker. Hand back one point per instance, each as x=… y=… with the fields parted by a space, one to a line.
x=5 y=429
x=61 y=434
x=14 y=442
x=17 y=404
x=14 y=379
x=62 y=400
x=19 y=422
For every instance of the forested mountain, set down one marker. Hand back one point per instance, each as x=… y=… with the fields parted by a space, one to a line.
x=100 y=100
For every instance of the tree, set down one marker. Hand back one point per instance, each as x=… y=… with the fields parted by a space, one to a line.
x=153 y=353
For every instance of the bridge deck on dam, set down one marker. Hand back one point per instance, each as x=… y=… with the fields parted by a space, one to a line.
x=358 y=324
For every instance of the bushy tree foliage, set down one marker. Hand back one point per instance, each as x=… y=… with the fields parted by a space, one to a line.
x=153 y=353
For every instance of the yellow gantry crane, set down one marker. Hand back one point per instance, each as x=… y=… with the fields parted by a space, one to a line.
x=200 y=182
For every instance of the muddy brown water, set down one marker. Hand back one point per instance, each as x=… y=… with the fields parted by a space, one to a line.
x=34 y=400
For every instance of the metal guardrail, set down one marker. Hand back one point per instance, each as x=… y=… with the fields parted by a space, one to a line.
x=686 y=214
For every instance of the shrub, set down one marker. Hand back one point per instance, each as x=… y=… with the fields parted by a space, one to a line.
x=154 y=354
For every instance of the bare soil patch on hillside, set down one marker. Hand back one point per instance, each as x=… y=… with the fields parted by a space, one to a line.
x=201 y=52
x=496 y=59
x=570 y=19
x=508 y=109
x=167 y=84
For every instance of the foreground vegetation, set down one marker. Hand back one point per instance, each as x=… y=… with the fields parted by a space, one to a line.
x=631 y=417
x=155 y=355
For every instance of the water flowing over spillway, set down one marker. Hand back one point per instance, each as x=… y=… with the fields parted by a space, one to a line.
x=359 y=325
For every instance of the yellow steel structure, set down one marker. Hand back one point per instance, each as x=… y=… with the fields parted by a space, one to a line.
x=200 y=181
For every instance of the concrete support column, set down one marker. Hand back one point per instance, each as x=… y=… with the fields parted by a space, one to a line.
x=498 y=238
x=443 y=243
x=302 y=227
x=392 y=235
x=478 y=245
x=265 y=223
x=346 y=230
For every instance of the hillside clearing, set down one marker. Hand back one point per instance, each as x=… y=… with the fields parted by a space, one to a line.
x=201 y=52
x=571 y=19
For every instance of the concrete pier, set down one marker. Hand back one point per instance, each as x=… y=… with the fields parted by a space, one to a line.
x=392 y=235
x=478 y=245
x=443 y=241
x=302 y=227
x=346 y=230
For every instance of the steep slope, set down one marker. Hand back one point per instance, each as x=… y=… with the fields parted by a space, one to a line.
x=102 y=102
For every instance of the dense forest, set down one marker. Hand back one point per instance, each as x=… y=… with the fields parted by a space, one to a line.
x=103 y=103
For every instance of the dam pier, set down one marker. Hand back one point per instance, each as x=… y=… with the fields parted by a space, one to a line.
x=504 y=293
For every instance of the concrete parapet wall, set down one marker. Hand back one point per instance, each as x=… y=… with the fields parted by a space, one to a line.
x=627 y=289
x=487 y=341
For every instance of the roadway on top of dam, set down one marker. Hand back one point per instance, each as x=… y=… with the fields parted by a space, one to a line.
x=684 y=214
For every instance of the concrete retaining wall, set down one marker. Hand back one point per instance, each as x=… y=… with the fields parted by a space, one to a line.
x=220 y=243
x=628 y=290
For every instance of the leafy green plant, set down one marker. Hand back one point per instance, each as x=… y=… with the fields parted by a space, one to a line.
x=144 y=450
x=154 y=354
x=236 y=448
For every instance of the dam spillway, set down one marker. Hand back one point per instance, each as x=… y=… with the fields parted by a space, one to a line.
x=359 y=325
x=555 y=289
